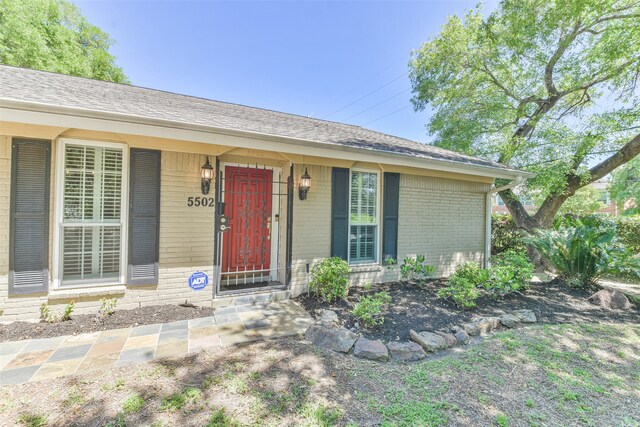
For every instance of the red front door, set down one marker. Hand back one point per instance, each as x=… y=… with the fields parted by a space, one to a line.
x=247 y=197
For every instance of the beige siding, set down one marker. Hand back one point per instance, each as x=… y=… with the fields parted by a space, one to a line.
x=311 y=224
x=438 y=217
x=442 y=219
x=186 y=245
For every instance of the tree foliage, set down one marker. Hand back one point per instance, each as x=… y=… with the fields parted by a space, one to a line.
x=52 y=35
x=585 y=201
x=625 y=183
x=550 y=87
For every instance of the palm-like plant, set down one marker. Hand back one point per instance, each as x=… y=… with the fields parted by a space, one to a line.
x=583 y=254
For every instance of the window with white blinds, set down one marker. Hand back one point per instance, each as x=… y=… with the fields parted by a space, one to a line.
x=363 y=217
x=91 y=222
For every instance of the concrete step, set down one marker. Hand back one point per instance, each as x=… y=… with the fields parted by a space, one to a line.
x=257 y=298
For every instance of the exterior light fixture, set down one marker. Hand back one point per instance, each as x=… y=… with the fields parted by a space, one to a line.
x=207 y=175
x=304 y=185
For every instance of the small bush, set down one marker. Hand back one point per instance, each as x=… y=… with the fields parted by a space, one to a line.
x=472 y=272
x=59 y=316
x=330 y=279
x=510 y=272
x=461 y=290
x=368 y=309
x=415 y=269
x=390 y=262
x=107 y=306
x=505 y=234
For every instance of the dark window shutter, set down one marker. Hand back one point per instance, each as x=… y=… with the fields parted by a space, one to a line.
x=340 y=213
x=144 y=217
x=29 y=216
x=390 y=215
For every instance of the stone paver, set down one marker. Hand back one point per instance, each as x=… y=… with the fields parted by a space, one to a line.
x=43 y=359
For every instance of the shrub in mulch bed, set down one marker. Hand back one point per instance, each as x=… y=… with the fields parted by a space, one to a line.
x=418 y=307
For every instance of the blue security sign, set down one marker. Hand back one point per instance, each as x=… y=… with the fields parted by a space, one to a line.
x=198 y=280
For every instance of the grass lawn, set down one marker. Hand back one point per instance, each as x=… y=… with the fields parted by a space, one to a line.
x=556 y=375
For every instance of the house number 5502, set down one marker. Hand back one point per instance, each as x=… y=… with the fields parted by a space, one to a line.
x=200 y=201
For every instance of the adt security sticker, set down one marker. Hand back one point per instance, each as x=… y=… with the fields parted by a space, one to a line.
x=198 y=280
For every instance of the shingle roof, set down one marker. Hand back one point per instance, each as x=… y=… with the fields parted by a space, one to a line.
x=26 y=85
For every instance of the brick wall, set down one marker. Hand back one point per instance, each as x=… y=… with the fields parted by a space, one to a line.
x=186 y=246
x=440 y=218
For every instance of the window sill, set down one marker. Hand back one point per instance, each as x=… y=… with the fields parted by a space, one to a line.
x=365 y=268
x=101 y=291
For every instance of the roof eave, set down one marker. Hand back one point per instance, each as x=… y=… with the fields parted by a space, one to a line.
x=424 y=162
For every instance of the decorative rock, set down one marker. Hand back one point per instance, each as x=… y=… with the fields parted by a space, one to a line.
x=611 y=299
x=462 y=337
x=525 y=316
x=481 y=325
x=449 y=338
x=406 y=351
x=329 y=317
x=372 y=350
x=428 y=340
x=509 y=320
x=331 y=338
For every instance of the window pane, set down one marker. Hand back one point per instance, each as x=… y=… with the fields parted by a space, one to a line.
x=92 y=194
x=91 y=252
x=364 y=192
x=362 y=243
x=92 y=184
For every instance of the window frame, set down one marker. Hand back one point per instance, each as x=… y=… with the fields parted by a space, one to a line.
x=58 y=257
x=378 y=234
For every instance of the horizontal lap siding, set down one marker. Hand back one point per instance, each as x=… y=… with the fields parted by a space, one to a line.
x=442 y=219
x=186 y=246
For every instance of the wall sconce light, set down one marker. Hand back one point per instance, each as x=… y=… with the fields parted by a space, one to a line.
x=206 y=171
x=304 y=185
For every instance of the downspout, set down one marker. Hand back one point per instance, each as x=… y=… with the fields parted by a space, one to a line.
x=488 y=205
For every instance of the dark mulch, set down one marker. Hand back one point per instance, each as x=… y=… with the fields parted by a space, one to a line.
x=91 y=323
x=419 y=308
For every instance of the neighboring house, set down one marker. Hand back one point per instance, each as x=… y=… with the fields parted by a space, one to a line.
x=117 y=191
x=602 y=185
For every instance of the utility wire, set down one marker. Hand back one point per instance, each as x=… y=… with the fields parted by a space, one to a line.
x=379 y=103
x=364 y=96
x=387 y=115
x=364 y=82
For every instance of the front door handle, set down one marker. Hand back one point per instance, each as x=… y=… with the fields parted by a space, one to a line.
x=269 y=229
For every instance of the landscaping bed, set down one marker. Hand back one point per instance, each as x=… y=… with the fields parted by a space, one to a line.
x=419 y=308
x=83 y=323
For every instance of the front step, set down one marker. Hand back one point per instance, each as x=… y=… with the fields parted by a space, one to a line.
x=251 y=299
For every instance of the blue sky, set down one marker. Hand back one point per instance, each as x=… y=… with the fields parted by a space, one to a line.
x=308 y=58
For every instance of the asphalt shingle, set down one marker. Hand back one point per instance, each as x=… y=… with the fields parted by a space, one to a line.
x=20 y=84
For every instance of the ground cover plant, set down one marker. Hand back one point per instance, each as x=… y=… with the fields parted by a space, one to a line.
x=580 y=374
x=368 y=310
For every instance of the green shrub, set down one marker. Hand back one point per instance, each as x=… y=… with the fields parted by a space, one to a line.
x=583 y=254
x=472 y=272
x=330 y=279
x=505 y=234
x=510 y=271
x=461 y=290
x=368 y=309
x=628 y=232
x=415 y=269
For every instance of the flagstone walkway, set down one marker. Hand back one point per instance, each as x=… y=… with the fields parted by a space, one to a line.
x=39 y=359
